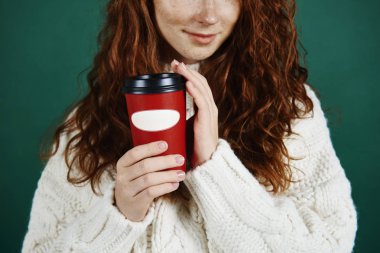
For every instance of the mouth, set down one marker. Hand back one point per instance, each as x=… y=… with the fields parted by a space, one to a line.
x=201 y=38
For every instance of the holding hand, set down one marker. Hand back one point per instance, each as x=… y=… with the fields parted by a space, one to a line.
x=206 y=120
x=140 y=179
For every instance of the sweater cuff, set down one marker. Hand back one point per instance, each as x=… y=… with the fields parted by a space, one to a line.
x=104 y=227
x=223 y=186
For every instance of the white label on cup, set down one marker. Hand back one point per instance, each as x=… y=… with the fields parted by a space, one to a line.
x=155 y=120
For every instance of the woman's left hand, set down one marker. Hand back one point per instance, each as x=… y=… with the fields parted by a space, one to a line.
x=206 y=120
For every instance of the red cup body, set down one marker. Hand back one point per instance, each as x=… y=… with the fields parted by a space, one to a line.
x=160 y=116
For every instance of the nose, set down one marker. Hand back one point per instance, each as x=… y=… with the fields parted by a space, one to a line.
x=207 y=14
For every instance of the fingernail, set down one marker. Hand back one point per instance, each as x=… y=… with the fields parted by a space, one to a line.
x=175 y=62
x=181 y=175
x=162 y=145
x=179 y=159
x=175 y=185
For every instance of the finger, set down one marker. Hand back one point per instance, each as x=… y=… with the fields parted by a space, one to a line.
x=174 y=65
x=154 y=164
x=204 y=82
x=198 y=92
x=156 y=178
x=140 y=152
x=181 y=69
x=199 y=82
x=199 y=99
x=195 y=75
x=156 y=191
x=207 y=88
x=189 y=75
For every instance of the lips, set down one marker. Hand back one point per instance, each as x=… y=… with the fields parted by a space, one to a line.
x=201 y=38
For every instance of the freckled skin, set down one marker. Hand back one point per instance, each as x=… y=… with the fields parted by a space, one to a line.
x=176 y=18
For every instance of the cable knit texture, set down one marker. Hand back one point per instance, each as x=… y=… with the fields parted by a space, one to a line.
x=228 y=210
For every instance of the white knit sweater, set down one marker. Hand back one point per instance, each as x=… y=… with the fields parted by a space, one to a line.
x=228 y=210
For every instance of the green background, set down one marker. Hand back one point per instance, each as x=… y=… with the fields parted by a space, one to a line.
x=44 y=45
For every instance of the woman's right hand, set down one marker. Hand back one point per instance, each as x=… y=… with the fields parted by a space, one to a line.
x=140 y=179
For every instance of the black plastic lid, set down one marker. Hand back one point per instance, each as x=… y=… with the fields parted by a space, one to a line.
x=154 y=83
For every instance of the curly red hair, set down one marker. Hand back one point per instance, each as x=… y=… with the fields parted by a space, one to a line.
x=255 y=77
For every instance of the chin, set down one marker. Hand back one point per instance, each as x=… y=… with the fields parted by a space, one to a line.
x=198 y=56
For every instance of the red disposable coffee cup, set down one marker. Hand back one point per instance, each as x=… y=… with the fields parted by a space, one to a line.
x=156 y=105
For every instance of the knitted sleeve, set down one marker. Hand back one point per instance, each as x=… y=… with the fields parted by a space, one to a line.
x=67 y=218
x=316 y=214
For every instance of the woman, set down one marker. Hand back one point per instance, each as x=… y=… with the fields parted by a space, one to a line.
x=263 y=174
